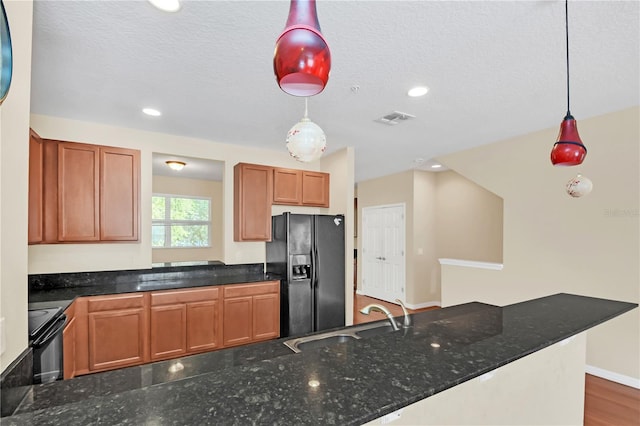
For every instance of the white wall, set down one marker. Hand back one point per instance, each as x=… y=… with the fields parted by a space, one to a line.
x=14 y=159
x=554 y=243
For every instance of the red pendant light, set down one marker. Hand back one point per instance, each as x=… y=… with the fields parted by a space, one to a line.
x=568 y=149
x=302 y=60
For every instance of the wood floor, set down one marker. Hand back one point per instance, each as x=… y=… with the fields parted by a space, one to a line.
x=606 y=403
x=610 y=403
x=360 y=301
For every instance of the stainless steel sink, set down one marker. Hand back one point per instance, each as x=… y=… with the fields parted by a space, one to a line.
x=315 y=341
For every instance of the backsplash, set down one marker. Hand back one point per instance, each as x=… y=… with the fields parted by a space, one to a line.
x=175 y=271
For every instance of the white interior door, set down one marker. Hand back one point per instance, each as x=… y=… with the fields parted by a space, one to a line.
x=383 y=252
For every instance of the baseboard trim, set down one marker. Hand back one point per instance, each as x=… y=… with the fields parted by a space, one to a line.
x=614 y=377
x=422 y=305
x=408 y=305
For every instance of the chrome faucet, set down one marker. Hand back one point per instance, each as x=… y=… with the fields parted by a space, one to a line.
x=380 y=308
x=407 y=318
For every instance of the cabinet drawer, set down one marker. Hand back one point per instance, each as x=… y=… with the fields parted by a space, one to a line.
x=108 y=303
x=183 y=296
x=240 y=290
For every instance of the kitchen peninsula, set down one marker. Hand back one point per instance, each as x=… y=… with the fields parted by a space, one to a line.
x=347 y=383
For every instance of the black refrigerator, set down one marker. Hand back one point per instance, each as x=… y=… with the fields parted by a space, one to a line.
x=307 y=251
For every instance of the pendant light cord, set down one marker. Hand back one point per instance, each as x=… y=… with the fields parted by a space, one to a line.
x=306 y=100
x=566 y=22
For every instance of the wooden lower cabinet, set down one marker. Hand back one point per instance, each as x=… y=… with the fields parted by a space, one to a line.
x=117 y=329
x=168 y=331
x=204 y=329
x=114 y=331
x=251 y=313
x=69 y=344
x=237 y=320
x=266 y=316
x=184 y=322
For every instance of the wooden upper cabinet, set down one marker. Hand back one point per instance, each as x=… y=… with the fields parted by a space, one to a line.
x=82 y=192
x=119 y=194
x=78 y=192
x=287 y=186
x=36 y=201
x=253 y=186
x=300 y=188
x=315 y=189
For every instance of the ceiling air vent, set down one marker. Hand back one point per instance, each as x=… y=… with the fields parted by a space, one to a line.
x=396 y=117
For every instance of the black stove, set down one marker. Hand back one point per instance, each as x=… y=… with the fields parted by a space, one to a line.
x=45 y=338
x=40 y=319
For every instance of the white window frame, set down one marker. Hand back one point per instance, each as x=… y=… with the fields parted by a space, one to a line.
x=167 y=222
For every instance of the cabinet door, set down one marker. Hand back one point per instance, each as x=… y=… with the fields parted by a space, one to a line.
x=203 y=326
x=69 y=349
x=36 y=171
x=315 y=189
x=116 y=338
x=119 y=194
x=266 y=316
x=253 y=186
x=237 y=321
x=78 y=192
x=287 y=186
x=168 y=331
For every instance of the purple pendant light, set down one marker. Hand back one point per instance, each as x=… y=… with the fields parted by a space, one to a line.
x=302 y=59
x=568 y=149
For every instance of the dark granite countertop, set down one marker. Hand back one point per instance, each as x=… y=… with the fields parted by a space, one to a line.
x=59 y=290
x=358 y=380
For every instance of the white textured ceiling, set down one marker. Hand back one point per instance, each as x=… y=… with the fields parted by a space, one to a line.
x=495 y=69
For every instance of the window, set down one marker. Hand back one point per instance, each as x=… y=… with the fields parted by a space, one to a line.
x=180 y=221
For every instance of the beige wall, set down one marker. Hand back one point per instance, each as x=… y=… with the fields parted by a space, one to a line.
x=99 y=257
x=14 y=155
x=194 y=188
x=469 y=220
x=446 y=216
x=422 y=251
x=554 y=243
x=393 y=189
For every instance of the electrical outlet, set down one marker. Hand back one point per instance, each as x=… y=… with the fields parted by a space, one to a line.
x=391 y=417
x=3 y=340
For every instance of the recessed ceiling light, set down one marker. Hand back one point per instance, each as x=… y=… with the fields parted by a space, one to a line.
x=418 y=91
x=166 y=5
x=152 y=112
x=436 y=166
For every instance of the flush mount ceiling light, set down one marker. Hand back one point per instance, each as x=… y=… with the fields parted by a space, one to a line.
x=436 y=166
x=568 y=149
x=306 y=141
x=302 y=60
x=176 y=165
x=152 y=112
x=166 y=5
x=416 y=92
